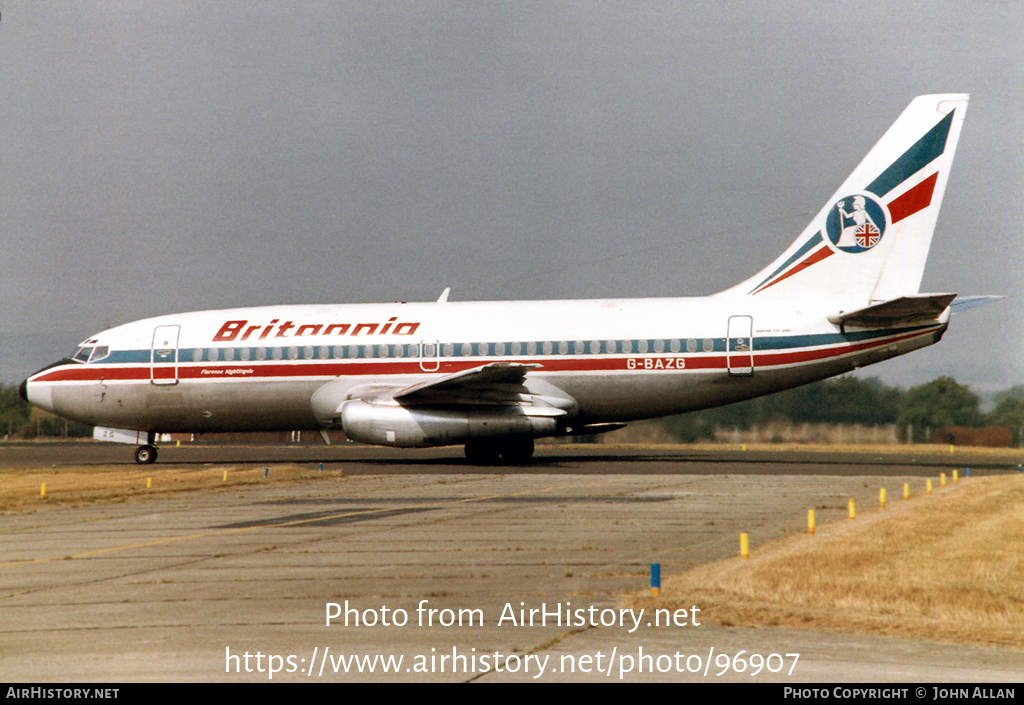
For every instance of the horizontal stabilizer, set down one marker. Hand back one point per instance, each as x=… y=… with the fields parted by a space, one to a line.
x=964 y=303
x=906 y=310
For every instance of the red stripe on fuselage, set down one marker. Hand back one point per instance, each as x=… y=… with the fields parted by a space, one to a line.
x=328 y=370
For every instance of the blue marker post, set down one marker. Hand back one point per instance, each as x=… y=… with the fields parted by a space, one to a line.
x=967 y=472
x=321 y=467
x=655 y=578
x=266 y=471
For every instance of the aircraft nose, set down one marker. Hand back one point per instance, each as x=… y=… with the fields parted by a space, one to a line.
x=38 y=393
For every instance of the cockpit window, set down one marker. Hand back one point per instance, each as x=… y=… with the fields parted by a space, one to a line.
x=89 y=353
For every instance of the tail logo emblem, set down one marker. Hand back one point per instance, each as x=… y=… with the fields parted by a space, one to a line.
x=856 y=223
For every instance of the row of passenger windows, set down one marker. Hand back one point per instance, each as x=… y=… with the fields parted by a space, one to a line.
x=431 y=350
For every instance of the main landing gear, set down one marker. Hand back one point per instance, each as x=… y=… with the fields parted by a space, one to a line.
x=146 y=454
x=511 y=451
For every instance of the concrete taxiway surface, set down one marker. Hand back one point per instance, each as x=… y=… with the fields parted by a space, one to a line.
x=182 y=587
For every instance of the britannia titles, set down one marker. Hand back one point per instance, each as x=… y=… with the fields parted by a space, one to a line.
x=242 y=330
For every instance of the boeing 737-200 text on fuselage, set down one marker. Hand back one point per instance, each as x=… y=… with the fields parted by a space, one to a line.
x=494 y=376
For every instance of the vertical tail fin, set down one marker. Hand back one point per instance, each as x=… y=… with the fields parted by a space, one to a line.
x=870 y=241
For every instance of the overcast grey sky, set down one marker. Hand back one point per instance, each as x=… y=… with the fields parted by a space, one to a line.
x=169 y=155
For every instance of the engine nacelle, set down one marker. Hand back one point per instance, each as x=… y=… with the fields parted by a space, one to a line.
x=389 y=424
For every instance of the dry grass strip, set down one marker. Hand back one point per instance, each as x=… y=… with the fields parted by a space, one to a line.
x=947 y=567
x=70 y=486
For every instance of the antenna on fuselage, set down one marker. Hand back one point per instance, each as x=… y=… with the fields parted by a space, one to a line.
x=443 y=298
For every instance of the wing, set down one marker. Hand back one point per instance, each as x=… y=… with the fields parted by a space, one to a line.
x=499 y=383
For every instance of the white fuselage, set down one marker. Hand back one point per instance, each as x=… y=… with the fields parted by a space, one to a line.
x=619 y=360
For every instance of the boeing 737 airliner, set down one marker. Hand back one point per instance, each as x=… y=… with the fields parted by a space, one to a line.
x=494 y=376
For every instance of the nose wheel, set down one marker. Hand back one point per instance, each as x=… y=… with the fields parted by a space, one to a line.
x=145 y=455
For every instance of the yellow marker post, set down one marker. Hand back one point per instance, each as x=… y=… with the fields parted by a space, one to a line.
x=810 y=522
x=954 y=476
x=906 y=490
x=942 y=479
x=951 y=450
x=744 y=546
x=853 y=509
x=42 y=491
x=149 y=483
x=881 y=498
x=928 y=485
x=225 y=476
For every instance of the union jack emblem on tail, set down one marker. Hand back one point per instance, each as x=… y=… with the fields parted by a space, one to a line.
x=867 y=235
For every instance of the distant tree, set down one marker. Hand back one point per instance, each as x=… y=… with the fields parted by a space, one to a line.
x=689 y=428
x=14 y=411
x=1009 y=413
x=941 y=402
x=1014 y=392
x=843 y=400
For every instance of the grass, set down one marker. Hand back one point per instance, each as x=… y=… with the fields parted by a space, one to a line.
x=946 y=567
x=72 y=485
